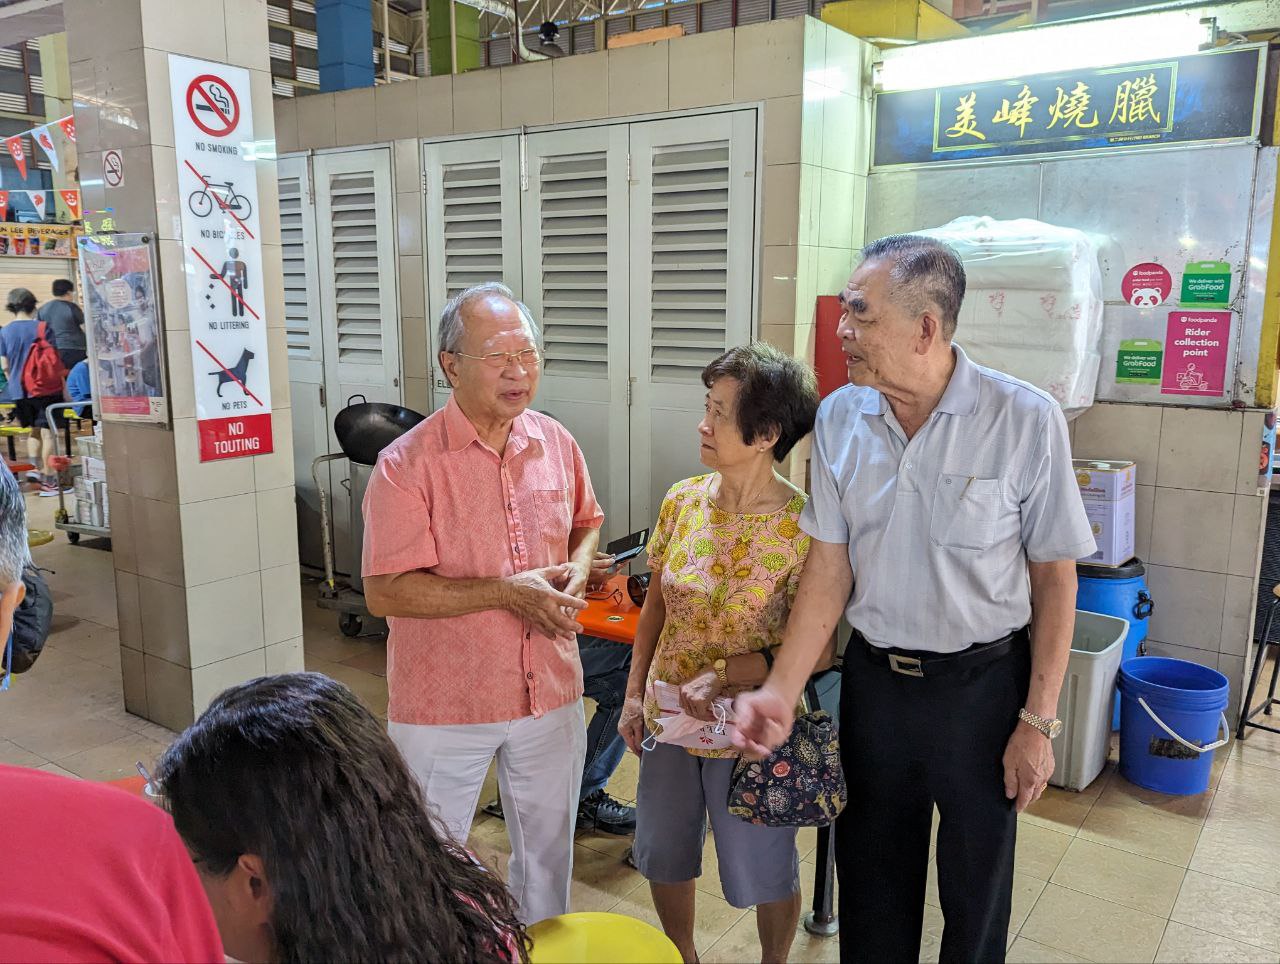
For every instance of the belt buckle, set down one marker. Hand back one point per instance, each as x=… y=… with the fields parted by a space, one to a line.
x=906 y=665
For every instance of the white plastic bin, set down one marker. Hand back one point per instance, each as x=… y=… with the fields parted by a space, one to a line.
x=1081 y=749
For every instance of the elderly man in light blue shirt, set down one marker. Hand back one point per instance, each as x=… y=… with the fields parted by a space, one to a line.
x=946 y=523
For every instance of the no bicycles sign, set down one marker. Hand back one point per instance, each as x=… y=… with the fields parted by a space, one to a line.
x=218 y=182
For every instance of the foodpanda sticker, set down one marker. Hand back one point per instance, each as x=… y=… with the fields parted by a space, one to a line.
x=1147 y=285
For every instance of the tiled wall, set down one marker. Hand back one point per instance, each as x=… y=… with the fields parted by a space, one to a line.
x=1199 y=522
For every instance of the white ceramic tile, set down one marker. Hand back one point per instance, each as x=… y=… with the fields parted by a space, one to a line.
x=768 y=60
x=435 y=106
x=1188 y=653
x=121 y=82
x=152 y=472
x=396 y=106
x=101 y=26
x=580 y=87
x=840 y=133
x=157 y=537
x=219 y=538
x=833 y=268
x=1246 y=535
x=129 y=609
x=781 y=200
x=835 y=218
x=286 y=657
x=208 y=681
x=159 y=98
x=638 y=79
x=406 y=157
x=203 y=36
x=1233 y=668
x=701 y=70
x=783 y=130
x=477 y=102
x=1250 y=455
x=168 y=693
x=409 y=220
x=1191 y=529
x=163 y=609
x=317 y=121
x=246 y=26
x=1199 y=449
x=812 y=102
x=848 y=63
x=810 y=204
x=272 y=294
x=133 y=680
x=1144 y=508
x=411 y=290
x=1113 y=431
x=276 y=470
x=356 y=117
x=1190 y=945
x=286 y=122
x=277 y=528
x=199 y=481
x=281 y=604
x=526 y=94
x=1189 y=606
x=1237 y=615
x=778 y=286
x=225 y=619
x=1229 y=909
x=168 y=197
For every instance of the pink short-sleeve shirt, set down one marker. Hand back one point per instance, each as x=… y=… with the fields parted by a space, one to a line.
x=442 y=501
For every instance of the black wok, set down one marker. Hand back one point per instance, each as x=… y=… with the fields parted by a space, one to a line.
x=365 y=429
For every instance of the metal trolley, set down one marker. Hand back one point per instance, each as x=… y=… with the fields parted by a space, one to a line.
x=62 y=518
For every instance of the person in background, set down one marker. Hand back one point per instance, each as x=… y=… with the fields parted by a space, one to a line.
x=726 y=552
x=87 y=872
x=945 y=515
x=16 y=339
x=66 y=321
x=605 y=667
x=312 y=838
x=79 y=387
x=480 y=528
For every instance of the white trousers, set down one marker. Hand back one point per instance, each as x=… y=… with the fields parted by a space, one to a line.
x=539 y=775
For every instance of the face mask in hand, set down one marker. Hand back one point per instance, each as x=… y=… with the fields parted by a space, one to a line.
x=680 y=729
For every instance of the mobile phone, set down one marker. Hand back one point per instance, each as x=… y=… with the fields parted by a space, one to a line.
x=628 y=547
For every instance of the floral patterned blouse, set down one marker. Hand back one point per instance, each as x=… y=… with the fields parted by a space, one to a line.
x=728 y=582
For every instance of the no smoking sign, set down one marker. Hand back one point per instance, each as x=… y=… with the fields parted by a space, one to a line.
x=212 y=105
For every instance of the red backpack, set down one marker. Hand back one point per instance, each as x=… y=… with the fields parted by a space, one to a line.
x=44 y=373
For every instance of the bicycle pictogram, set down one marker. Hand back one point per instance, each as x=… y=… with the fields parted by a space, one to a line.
x=220 y=195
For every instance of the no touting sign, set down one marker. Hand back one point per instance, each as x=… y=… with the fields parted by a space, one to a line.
x=226 y=303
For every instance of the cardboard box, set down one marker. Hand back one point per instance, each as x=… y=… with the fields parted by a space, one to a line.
x=1109 y=491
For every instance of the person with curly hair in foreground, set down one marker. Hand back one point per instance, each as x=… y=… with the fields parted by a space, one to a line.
x=313 y=840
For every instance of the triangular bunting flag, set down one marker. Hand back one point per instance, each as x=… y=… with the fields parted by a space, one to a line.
x=45 y=140
x=4 y=200
x=72 y=200
x=68 y=125
x=37 y=198
x=14 y=144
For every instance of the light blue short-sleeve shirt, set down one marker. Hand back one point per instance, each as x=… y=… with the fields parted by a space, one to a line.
x=940 y=528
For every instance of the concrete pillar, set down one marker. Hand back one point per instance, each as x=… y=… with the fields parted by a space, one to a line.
x=206 y=557
x=56 y=74
x=344 y=32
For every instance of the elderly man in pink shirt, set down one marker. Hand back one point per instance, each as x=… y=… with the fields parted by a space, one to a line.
x=480 y=528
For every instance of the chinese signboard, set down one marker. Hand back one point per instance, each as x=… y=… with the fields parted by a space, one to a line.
x=1212 y=96
x=118 y=278
x=218 y=182
x=37 y=240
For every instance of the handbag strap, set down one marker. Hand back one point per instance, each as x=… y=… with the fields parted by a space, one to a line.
x=812 y=703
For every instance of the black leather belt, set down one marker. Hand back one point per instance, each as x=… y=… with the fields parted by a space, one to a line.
x=925 y=665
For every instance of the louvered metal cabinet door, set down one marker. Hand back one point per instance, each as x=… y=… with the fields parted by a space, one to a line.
x=473 y=225
x=692 y=254
x=358 y=298
x=306 y=347
x=574 y=221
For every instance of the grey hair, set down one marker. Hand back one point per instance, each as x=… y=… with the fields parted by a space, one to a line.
x=15 y=555
x=451 y=331
x=924 y=271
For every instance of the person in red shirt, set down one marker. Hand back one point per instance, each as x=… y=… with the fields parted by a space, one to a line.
x=313 y=840
x=87 y=872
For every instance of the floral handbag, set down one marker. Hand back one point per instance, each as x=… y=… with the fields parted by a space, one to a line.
x=801 y=784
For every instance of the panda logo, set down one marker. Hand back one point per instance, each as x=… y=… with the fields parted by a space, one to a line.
x=1145 y=297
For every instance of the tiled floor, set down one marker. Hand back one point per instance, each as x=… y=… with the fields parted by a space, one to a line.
x=1112 y=874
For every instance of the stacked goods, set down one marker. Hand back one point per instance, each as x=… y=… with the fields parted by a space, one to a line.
x=93 y=507
x=1033 y=307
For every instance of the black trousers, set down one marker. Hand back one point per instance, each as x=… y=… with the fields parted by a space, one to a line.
x=908 y=744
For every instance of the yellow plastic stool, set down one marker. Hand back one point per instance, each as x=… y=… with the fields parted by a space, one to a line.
x=38 y=537
x=598 y=938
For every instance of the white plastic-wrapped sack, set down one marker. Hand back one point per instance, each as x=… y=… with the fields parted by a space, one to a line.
x=1033 y=307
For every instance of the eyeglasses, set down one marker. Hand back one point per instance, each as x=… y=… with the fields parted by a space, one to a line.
x=528 y=358
x=602 y=594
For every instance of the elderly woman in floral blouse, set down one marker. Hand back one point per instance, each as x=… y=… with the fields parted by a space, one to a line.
x=726 y=554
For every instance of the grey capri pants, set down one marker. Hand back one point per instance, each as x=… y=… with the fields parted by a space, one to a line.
x=677 y=792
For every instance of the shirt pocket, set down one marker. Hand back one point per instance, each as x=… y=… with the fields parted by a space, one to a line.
x=555 y=518
x=965 y=510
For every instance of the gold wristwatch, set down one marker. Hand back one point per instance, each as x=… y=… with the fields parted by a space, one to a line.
x=1050 y=728
x=721 y=667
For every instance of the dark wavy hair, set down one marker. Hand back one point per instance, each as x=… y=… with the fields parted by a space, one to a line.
x=294 y=769
x=775 y=391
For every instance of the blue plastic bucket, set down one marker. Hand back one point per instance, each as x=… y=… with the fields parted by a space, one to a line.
x=1170 y=714
x=1118 y=591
